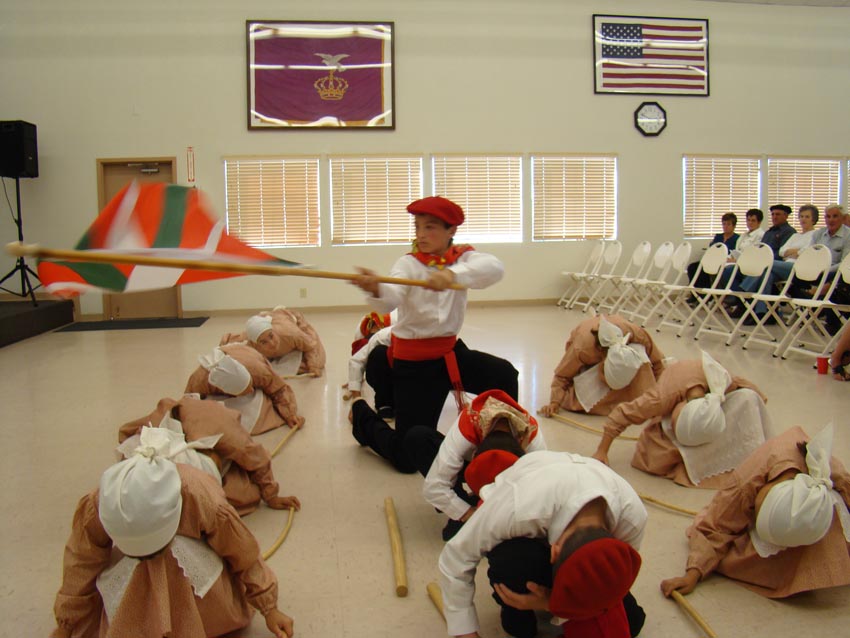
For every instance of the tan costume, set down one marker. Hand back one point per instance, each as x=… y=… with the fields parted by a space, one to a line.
x=582 y=351
x=295 y=333
x=262 y=378
x=159 y=599
x=247 y=476
x=719 y=539
x=655 y=453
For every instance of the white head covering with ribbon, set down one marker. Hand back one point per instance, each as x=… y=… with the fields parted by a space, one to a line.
x=140 y=500
x=702 y=420
x=226 y=373
x=799 y=511
x=256 y=326
x=624 y=359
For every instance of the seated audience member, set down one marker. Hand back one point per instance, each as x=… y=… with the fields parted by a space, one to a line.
x=728 y=237
x=238 y=369
x=752 y=236
x=227 y=452
x=808 y=216
x=370 y=324
x=835 y=236
x=840 y=358
x=372 y=362
x=277 y=333
x=157 y=551
x=703 y=423
x=781 y=527
x=607 y=360
x=492 y=421
x=561 y=534
x=780 y=230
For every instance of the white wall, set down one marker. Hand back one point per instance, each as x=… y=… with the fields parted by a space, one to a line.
x=117 y=79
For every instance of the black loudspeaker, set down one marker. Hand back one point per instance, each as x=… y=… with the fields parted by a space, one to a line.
x=18 y=149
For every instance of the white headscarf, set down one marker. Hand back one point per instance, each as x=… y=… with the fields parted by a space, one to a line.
x=623 y=359
x=256 y=326
x=226 y=373
x=799 y=511
x=702 y=420
x=140 y=501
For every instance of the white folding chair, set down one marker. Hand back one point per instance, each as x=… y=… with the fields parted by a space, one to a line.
x=574 y=277
x=673 y=302
x=755 y=261
x=613 y=286
x=659 y=265
x=653 y=291
x=812 y=265
x=589 y=286
x=808 y=335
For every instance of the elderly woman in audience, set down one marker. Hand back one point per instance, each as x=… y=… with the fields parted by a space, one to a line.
x=703 y=422
x=607 y=360
x=781 y=527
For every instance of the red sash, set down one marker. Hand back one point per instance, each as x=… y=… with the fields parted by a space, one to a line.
x=427 y=349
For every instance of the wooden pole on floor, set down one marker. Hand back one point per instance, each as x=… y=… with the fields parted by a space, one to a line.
x=569 y=421
x=669 y=506
x=283 y=441
x=396 y=547
x=689 y=609
x=271 y=550
x=436 y=596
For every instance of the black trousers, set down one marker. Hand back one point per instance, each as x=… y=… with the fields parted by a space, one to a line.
x=420 y=388
x=516 y=561
x=379 y=375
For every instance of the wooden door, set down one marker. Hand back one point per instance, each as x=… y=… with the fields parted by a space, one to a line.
x=112 y=176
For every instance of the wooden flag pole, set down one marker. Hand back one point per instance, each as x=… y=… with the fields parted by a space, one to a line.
x=283 y=441
x=587 y=428
x=271 y=550
x=685 y=605
x=396 y=547
x=19 y=249
x=669 y=506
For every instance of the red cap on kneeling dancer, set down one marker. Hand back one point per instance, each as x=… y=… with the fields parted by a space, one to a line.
x=484 y=468
x=439 y=207
x=594 y=579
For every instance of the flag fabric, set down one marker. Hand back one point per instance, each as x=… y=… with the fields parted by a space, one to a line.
x=151 y=220
x=651 y=55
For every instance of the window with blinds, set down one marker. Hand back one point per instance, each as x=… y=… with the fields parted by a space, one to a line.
x=369 y=198
x=714 y=186
x=795 y=182
x=489 y=189
x=272 y=201
x=573 y=197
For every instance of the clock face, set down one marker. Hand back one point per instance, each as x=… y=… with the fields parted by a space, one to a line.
x=650 y=118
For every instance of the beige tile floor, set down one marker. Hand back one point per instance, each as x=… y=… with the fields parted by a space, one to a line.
x=64 y=395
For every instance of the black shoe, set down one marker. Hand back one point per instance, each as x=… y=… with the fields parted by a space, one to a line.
x=736 y=311
x=452 y=527
x=386 y=413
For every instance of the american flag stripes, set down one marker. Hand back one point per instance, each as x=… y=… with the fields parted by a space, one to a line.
x=651 y=56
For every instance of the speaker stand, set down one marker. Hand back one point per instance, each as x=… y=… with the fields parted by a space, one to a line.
x=21 y=266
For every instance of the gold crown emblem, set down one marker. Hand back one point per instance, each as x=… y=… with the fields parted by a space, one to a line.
x=330 y=87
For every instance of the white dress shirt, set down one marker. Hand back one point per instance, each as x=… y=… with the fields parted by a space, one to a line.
x=357 y=362
x=454 y=451
x=424 y=313
x=745 y=240
x=797 y=241
x=535 y=498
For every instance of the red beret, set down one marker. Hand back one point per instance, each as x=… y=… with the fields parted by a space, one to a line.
x=594 y=579
x=439 y=207
x=484 y=468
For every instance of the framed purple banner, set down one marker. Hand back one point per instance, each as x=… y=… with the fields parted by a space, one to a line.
x=650 y=56
x=315 y=75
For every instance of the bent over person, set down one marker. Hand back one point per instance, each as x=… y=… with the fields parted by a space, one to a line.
x=561 y=533
x=157 y=551
x=782 y=527
x=607 y=361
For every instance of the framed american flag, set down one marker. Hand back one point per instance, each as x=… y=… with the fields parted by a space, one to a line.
x=319 y=75
x=650 y=56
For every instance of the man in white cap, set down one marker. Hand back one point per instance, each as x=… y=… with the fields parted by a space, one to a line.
x=185 y=564
x=782 y=527
x=238 y=369
x=607 y=361
x=703 y=422
x=278 y=332
x=241 y=465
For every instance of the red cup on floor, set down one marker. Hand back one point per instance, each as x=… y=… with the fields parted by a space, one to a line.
x=823 y=365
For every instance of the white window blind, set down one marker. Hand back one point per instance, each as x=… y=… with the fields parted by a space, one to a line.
x=574 y=197
x=273 y=201
x=795 y=182
x=489 y=189
x=714 y=186
x=369 y=198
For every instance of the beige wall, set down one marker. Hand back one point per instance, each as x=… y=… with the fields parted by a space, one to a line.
x=117 y=79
